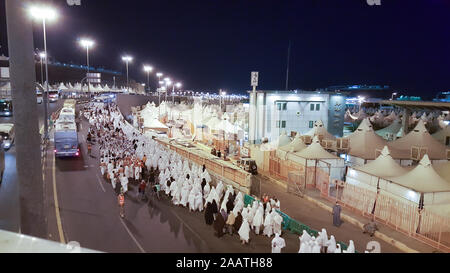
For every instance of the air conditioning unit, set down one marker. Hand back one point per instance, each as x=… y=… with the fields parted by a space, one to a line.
x=417 y=153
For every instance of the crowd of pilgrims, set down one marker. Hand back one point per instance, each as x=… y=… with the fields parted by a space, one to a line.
x=128 y=156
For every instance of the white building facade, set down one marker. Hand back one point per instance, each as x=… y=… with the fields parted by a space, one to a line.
x=272 y=112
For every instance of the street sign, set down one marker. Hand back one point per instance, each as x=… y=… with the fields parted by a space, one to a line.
x=94 y=77
x=254 y=79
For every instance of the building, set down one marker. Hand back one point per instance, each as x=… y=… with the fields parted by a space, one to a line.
x=272 y=112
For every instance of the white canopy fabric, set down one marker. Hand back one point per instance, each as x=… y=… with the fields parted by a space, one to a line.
x=418 y=137
x=384 y=166
x=423 y=178
x=212 y=123
x=62 y=86
x=442 y=135
x=319 y=129
x=281 y=141
x=364 y=142
x=154 y=124
x=295 y=146
x=443 y=169
x=392 y=129
x=315 y=151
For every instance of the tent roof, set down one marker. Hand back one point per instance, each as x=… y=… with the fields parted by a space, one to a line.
x=364 y=142
x=442 y=134
x=315 y=151
x=383 y=166
x=443 y=169
x=319 y=129
x=394 y=128
x=421 y=138
x=423 y=178
x=154 y=123
x=295 y=146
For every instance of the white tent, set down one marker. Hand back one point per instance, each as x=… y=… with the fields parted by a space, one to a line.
x=320 y=130
x=443 y=136
x=364 y=142
x=384 y=166
x=295 y=146
x=315 y=151
x=390 y=132
x=62 y=87
x=419 y=137
x=154 y=124
x=281 y=141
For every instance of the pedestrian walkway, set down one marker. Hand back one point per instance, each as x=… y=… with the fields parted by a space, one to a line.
x=315 y=212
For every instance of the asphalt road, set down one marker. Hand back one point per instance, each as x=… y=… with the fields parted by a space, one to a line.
x=90 y=215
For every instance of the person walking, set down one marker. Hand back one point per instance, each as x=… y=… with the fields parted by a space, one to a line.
x=121 y=199
x=337 y=215
x=89 y=149
x=141 y=189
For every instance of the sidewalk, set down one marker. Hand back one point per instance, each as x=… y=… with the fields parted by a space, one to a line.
x=315 y=212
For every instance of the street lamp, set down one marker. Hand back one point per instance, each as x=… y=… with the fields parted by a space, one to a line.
x=44 y=14
x=178 y=86
x=168 y=83
x=148 y=69
x=127 y=59
x=42 y=56
x=86 y=43
x=393 y=94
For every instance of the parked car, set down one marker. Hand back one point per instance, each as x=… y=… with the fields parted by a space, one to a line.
x=248 y=165
x=7 y=134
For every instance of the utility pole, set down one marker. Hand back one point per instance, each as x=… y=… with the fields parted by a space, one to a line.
x=28 y=142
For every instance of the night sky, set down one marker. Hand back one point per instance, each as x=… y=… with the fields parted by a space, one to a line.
x=216 y=44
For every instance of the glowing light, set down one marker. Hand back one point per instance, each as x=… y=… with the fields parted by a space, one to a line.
x=42 y=55
x=127 y=58
x=148 y=68
x=411 y=194
x=86 y=43
x=159 y=74
x=43 y=13
x=178 y=85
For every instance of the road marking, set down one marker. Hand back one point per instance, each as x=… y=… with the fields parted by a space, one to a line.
x=100 y=182
x=55 y=196
x=131 y=235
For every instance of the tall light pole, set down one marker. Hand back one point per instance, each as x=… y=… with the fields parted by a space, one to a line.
x=44 y=14
x=168 y=84
x=148 y=69
x=159 y=75
x=86 y=43
x=127 y=59
x=42 y=56
x=178 y=85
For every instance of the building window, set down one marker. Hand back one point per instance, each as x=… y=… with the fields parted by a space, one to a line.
x=317 y=107
x=311 y=124
x=311 y=107
x=283 y=124
x=281 y=106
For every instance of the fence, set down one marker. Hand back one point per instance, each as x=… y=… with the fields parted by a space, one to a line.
x=401 y=215
x=240 y=177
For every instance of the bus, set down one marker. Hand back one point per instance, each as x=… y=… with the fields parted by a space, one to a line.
x=7 y=134
x=66 y=139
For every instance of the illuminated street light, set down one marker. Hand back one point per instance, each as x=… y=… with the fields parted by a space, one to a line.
x=148 y=69
x=42 y=56
x=44 y=14
x=127 y=59
x=86 y=43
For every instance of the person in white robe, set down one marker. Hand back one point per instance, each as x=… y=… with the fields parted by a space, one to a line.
x=277 y=221
x=258 y=219
x=331 y=245
x=350 y=248
x=124 y=182
x=278 y=243
x=198 y=201
x=338 y=249
x=137 y=172
x=268 y=226
x=191 y=199
x=113 y=179
x=184 y=195
x=244 y=231
x=316 y=247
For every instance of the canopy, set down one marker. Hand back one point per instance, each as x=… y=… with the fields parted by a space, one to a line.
x=442 y=135
x=319 y=129
x=384 y=166
x=154 y=124
x=419 y=137
x=295 y=146
x=423 y=178
x=315 y=151
x=392 y=129
x=364 y=142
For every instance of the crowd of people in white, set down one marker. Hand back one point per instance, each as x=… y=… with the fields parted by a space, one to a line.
x=127 y=155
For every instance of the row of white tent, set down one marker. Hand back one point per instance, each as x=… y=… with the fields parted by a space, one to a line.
x=197 y=114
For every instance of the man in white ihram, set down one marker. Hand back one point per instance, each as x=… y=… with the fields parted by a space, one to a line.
x=277 y=243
